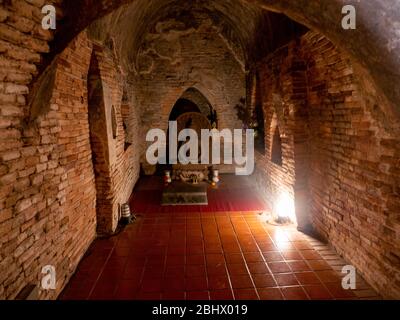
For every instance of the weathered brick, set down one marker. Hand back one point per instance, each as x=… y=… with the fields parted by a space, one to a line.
x=23 y=205
x=10 y=155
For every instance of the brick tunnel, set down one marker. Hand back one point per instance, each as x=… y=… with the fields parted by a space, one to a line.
x=320 y=103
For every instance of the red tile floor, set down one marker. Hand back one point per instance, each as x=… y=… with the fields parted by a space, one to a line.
x=213 y=255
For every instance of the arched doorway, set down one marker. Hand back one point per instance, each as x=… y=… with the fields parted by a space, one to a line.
x=183 y=106
x=191 y=110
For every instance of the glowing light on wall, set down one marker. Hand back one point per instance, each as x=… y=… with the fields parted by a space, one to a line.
x=284 y=207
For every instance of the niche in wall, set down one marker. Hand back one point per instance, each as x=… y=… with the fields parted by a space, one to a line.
x=276 y=146
x=276 y=155
x=258 y=115
x=114 y=125
x=125 y=114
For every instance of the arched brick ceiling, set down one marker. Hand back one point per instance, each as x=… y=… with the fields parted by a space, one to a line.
x=374 y=44
x=250 y=31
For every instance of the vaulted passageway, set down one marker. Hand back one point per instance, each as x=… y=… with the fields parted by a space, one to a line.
x=77 y=105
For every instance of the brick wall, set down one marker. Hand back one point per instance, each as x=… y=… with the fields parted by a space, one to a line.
x=51 y=198
x=340 y=156
x=47 y=187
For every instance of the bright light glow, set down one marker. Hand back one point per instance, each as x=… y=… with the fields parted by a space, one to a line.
x=284 y=207
x=280 y=236
x=264 y=217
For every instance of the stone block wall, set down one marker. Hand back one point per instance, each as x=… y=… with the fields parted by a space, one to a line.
x=340 y=155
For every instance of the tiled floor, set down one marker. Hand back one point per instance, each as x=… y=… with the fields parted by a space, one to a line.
x=221 y=255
